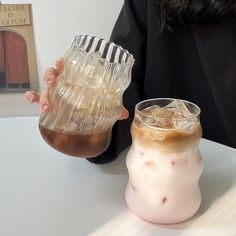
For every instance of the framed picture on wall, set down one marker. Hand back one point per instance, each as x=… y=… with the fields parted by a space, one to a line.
x=18 y=67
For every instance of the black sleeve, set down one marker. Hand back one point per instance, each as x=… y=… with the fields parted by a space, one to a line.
x=130 y=33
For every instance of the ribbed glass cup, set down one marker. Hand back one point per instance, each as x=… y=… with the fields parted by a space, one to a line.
x=87 y=98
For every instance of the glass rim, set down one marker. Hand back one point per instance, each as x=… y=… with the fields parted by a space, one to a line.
x=130 y=62
x=170 y=99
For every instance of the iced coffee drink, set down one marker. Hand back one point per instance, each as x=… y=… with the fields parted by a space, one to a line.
x=87 y=98
x=77 y=144
x=164 y=162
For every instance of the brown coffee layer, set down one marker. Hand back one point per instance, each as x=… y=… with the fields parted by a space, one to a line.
x=77 y=144
x=173 y=140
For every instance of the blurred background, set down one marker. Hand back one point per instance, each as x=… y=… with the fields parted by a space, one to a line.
x=55 y=24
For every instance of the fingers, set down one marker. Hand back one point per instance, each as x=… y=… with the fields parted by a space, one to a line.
x=49 y=77
x=44 y=100
x=124 y=115
x=32 y=96
x=60 y=64
x=51 y=74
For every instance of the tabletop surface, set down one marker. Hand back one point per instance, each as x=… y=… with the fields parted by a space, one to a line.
x=46 y=193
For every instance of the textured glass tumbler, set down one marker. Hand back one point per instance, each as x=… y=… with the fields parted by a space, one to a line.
x=87 y=98
x=164 y=162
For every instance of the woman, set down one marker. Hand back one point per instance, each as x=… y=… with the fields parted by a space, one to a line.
x=183 y=49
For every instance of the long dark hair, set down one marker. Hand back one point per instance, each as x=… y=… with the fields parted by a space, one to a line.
x=188 y=12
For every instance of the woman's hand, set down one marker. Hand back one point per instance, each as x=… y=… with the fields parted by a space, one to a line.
x=49 y=78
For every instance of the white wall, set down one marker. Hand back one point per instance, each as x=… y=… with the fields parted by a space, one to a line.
x=55 y=25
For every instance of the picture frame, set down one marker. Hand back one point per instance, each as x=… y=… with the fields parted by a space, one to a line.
x=18 y=66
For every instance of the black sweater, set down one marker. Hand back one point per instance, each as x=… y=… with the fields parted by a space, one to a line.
x=197 y=64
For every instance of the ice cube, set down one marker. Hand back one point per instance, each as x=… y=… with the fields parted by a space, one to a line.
x=187 y=125
x=149 y=121
x=172 y=105
x=157 y=116
x=162 y=117
x=149 y=109
x=182 y=118
x=162 y=113
x=183 y=110
x=156 y=111
x=180 y=114
x=179 y=108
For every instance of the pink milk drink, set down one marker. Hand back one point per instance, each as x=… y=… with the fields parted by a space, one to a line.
x=164 y=162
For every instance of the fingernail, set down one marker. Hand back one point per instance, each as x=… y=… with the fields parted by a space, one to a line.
x=31 y=99
x=49 y=80
x=44 y=107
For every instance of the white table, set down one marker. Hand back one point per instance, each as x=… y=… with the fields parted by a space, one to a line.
x=45 y=193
